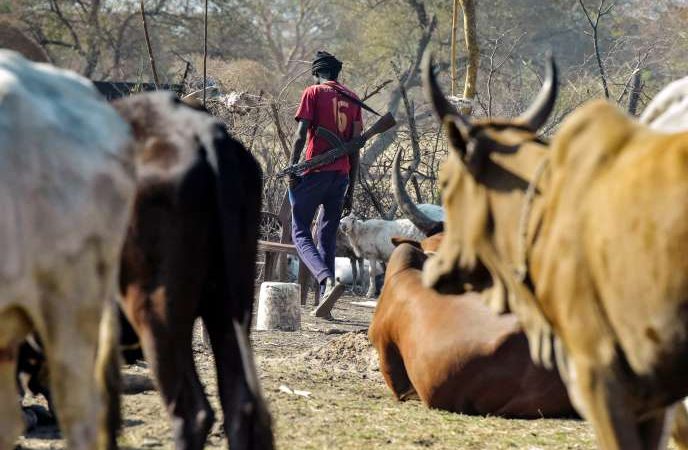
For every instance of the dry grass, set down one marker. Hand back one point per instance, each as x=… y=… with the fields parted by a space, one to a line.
x=349 y=406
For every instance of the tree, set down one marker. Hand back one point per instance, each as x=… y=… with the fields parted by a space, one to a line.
x=409 y=77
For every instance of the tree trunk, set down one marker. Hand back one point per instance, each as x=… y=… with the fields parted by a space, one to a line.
x=636 y=90
x=407 y=79
x=151 y=57
x=452 y=57
x=468 y=7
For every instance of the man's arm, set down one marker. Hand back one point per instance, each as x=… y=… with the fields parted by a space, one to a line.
x=299 y=142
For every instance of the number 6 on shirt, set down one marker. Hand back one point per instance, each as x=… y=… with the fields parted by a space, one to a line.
x=339 y=116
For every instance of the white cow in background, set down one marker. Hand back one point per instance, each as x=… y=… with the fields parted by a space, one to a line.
x=668 y=111
x=372 y=239
x=434 y=212
x=66 y=188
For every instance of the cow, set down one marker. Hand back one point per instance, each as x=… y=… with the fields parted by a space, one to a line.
x=67 y=183
x=372 y=239
x=190 y=252
x=668 y=110
x=454 y=353
x=595 y=269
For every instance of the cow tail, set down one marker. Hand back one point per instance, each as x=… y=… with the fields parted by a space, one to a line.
x=239 y=188
x=108 y=376
x=239 y=192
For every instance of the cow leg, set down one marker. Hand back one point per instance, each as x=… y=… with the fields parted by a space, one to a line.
x=246 y=419
x=192 y=415
x=653 y=430
x=361 y=274
x=613 y=420
x=167 y=349
x=71 y=350
x=679 y=429
x=11 y=422
x=230 y=377
x=12 y=329
x=371 y=286
x=394 y=372
x=354 y=273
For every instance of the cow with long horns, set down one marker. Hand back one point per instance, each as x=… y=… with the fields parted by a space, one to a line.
x=594 y=264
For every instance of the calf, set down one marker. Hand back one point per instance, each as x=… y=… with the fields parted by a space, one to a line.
x=454 y=353
x=66 y=187
x=372 y=239
x=190 y=251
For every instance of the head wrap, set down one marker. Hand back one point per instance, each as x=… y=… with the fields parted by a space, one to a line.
x=326 y=62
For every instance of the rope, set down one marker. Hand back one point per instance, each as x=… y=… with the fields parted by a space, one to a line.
x=205 y=50
x=528 y=200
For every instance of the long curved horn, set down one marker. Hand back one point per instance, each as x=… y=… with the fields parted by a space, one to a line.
x=434 y=94
x=458 y=126
x=411 y=211
x=536 y=116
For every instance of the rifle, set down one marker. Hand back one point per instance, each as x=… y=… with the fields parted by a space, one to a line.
x=339 y=148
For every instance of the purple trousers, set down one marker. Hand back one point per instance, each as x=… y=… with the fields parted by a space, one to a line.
x=315 y=189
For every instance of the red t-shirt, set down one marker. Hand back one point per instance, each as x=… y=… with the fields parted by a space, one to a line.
x=325 y=107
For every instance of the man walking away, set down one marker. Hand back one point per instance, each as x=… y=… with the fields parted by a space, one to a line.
x=333 y=106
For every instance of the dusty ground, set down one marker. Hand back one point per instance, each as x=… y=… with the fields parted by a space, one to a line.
x=346 y=405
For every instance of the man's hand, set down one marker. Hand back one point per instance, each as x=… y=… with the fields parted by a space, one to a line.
x=293 y=181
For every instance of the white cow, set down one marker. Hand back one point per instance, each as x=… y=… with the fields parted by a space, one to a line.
x=66 y=187
x=434 y=212
x=372 y=240
x=668 y=111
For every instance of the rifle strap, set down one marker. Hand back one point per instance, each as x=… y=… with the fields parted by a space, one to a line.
x=353 y=99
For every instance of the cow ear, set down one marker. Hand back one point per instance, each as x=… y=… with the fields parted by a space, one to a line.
x=398 y=240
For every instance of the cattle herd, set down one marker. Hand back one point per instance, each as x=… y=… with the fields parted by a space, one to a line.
x=553 y=282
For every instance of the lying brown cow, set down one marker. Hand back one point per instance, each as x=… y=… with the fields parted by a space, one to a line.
x=454 y=353
x=189 y=252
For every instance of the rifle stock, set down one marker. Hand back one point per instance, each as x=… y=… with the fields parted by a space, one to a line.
x=383 y=124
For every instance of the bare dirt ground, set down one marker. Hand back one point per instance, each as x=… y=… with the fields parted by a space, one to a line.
x=325 y=391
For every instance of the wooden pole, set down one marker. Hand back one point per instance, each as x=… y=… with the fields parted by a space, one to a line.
x=150 y=47
x=469 y=28
x=205 y=50
x=455 y=18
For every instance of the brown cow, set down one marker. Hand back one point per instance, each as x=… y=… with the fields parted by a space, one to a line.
x=189 y=252
x=598 y=270
x=454 y=352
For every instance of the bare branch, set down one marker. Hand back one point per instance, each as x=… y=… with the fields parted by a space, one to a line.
x=376 y=90
x=151 y=57
x=601 y=11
